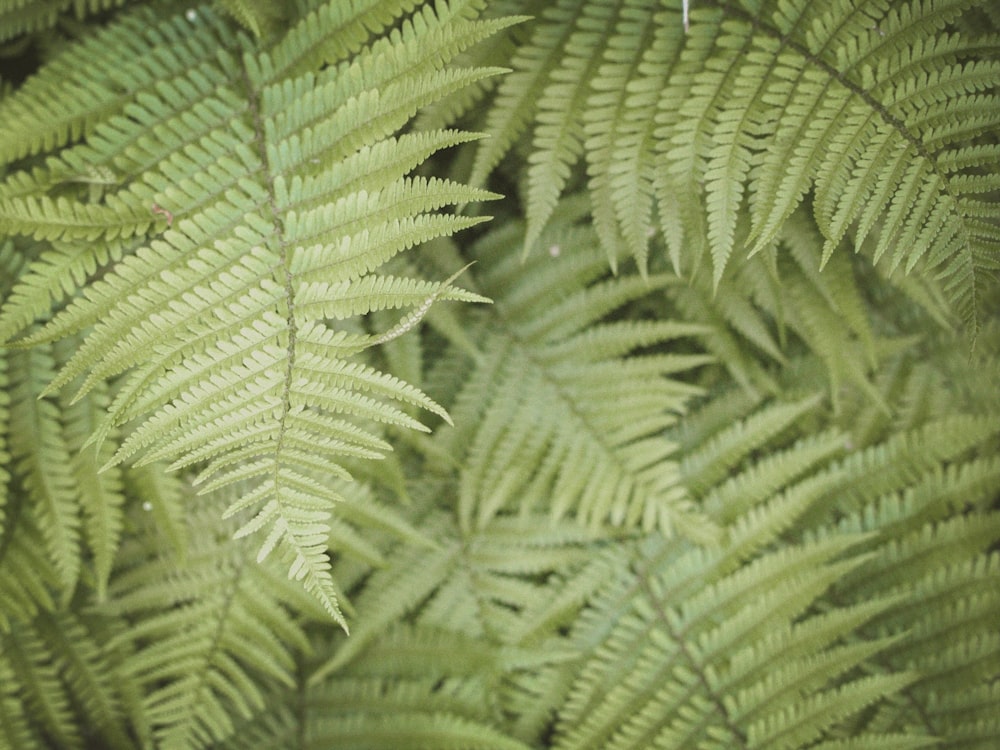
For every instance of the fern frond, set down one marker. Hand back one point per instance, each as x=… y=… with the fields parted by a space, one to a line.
x=77 y=508
x=101 y=494
x=659 y=674
x=842 y=118
x=679 y=646
x=281 y=188
x=559 y=135
x=28 y=579
x=882 y=114
x=376 y=712
x=41 y=689
x=508 y=117
x=258 y=18
x=5 y=490
x=161 y=494
x=213 y=324
x=551 y=390
x=68 y=682
x=203 y=631
x=49 y=274
x=425 y=730
x=14 y=729
x=462 y=621
x=769 y=307
x=491 y=575
x=28 y=126
x=43 y=463
x=92 y=679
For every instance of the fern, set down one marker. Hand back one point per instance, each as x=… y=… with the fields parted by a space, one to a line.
x=535 y=404
x=194 y=659
x=685 y=652
x=865 y=107
x=698 y=477
x=71 y=690
x=239 y=332
x=22 y=16
x=43 y=464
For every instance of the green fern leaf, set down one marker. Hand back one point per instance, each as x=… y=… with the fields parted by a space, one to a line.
x=91 y=679
x=421 y=731
x=490 y=570
x=14 y=729
x=880 y=113
x=43 y=462
x=52 y=271
x=300 y=191
x=27 y=576
x=226 y=624
x=101 y=495
x=679 y=644
x=791 y=728
x=558 y=137
x=518 y=92
x=29 y=16
x=40 y=687
x=86 y=99
x=609 y=133
x=4 y=455
x=549 y=391
x=69 y=686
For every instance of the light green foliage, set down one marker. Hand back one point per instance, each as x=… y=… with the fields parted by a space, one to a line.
x=712 y=463
x=539 y=422
x=219 y=321
x=877 y=111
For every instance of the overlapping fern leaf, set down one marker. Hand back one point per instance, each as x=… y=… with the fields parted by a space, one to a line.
x=274 y=177
x=776 y=305
x=447 y=638
x=203 y=633
x=62 y=686
x=59 y=485
x=445 y=653
x=847 y=601
x=563 y=407
x=884 y=113
x=703 y=500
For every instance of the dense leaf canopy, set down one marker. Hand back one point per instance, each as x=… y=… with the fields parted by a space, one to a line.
x=706 y=456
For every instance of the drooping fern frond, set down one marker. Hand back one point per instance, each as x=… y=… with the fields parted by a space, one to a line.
x=278 y=189
x=43 y=462
x=28 y=579
x=101 y=493
x=882 y=112
x=7 y=266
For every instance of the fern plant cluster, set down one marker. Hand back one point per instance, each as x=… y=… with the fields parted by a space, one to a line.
x=707 y=455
